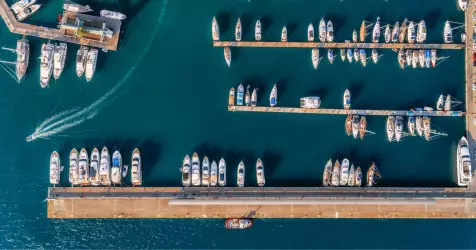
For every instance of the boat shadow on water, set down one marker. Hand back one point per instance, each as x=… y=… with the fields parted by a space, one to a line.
x=321 y=92
x=355 y=90
x=150 y=151
x=431 y=20
x=223 y=19
x=337 y=20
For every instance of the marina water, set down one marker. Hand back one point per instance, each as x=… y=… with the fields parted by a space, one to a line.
x=170 y=100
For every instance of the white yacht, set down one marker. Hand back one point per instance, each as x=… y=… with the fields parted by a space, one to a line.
x=311 y=102
x=46 y=66
x=330 y=55
x=258 y=31
x=358 y=177
x=342 y=54
x=196 y=170
x=347 y=99
x=284 y=34
x=344 y=172
x=427 y=128
x=186 y=169
x=463 y=4
x=74 y=7
x=375 y=55
x=398 y=128
x=415 y=58
x=463 y=171
x=421 y=32
x=376 y=31
x=315 y=57
x=356 y=54
x=354 y=36
x=310 y=33
x=440 y=104
x=412 y=125
x=403 y=31
x=59 y=58
x=421 y=58
x=419 y=125
x=395 y=32
x=411 y=32
x=83 y=168
x=116 y=168
x=112 y=15
x=388 y=33
x=240 y=175
x=330 y=31
x=327 y=175
x=27 y=12
x=390 y=128
x=401 y=58
x=227 y=53
x=355 y=126
x=222 y=173
x=322 y=30
x=238 y=30
x=363 y=57
x=351 y=181
x=91 y=64
x=254 y=97
x=136 y=169
x=447 y=103
x=260 y=179
x=336 y=174
x=73 y=167
x=21 y=4
x=448 y=33
x=215 y=30
x=104 y=168
x=94 y=168
x=55 y=168
x=206 y=172
x=409 y=57
x=81 y=60
x=214 y=174
x=23 y=58
x=350 y=55
x=273 y=97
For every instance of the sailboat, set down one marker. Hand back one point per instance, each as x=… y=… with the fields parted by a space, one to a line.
x=363 y=57
x=55 y=168
x=448 y=33
x=411 y=32
x=23 y=58
x=231 y=97
x=240 y=95
x=401 y=58
x=116 y=168
x=419 y=125
x=342 y=54
x=105 y=168
x=375 y=55
x=83 y=168
x=448 y=103
x=227 y=53
x=254 y=97
x=315 y=57
x=440 y=103
x=363 y=32
x=376 y=31
x=73 y=167
x=363 y=127
x=411 y=125
x=388 y=33
x=355 y=126
x=81 y=56
x=428 y=58
x=238 y=30
x=222 y=173
x=206 y=171
x=403 y=31
x=240 y=176
x=358 y=177
x=336 y=174
x=330 y=55
x=327 y=175
x=196 y=181
x=356 y=54
x=373 y=175
x=260 y=179
x=354 y=36
x=330 y=31
x=273 y=97
x=258 y=31
x=398 y=128
x=348 y=125
x=214 y=174
x=94 y=168
x=426 y=128
x=344 y=172
x=351 y=181
x=421 y=58
x=390 y=128
x=433 y=58
x=215 y=30
x=421 y=33
x=350 y=55
x=186 y=169
x=247 y=96
x=415 y=58
x=322 y=30
x=409 y=57
x=284 y=34
x=346 y=99
x=463 y=163
x=310 y=33
x=395 y=32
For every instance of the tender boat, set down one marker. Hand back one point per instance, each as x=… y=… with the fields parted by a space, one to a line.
x=395 y=32
x=94 y=168
x=344 y=172
x=81 y=60
x=116 y=168
x=214 y=174
x=222 y=173
x=356 y=54
x=415 y=59
x=104 y=168
x=240 y=95
x=258 y=31
x=463 y=163
x=315 y=57
x=284 y=34
x=330 y=55
x=336 y=174
x=433 y=58
x=347 y=99
x=363 y=57
x=196 y=170
x=411 y=125
x=351 y=181
x=358 y=177
x=409 y=57
x=376 y=31
x=448 y=103
x=231 y=97
x=74 y=7
x=83 y=168
x=273 y=97
x=428 y=58
x=215 y=30
x=390 y=128
x=427 y=128
x=448 y=33
x=362 y=127
x=311 y=102
x=124 y=170
x=388 y=33
x=354 y=36
x=23 y=58
x=330 y=32
x=411 y=32
x=59 y=58
x=375 y=55
x=419 y=125
x=421 y=33
x=247 y=96
x=322 y=30
x=401 y=58
x=46 y=66
x=238 y=223
x=363 y=32
x=238 y=30
x=327 y=175
x=348 y=125
x=421 y=58
x=240 y=175
x=112 y=15
x=403 y=31
x=373 y=175
x=254 y=97
x=350 y=55
x=91 y=64
x=55 y=168
x=463 y=4
x=440 y=104
x=342 y=54
x=206 y=172
x=310 y=33
x=227 y=53
x=398 y=128
x=21 y=4
x=260 y=179
x=27 y=12
x=186 y=169
x=73 y=167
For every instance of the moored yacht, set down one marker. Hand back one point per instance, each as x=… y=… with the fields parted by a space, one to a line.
x=363 y=57
x=344 y=172
x=330 y=31
x=59 y=58
x=46 y=66
x=398 y=128
x=411 y=125
x=116 y=169
x=260 y=179
x=346 y=99
x=363 y=32
x=403 y=31
x=376 y=31
x=284 y=34
x=254 y=97
x=427 y=128
x=20 y=5
x=94 y=168
x=373 y=175
x=27 y=12
x=215 y=30
x=104 y=168
x=463 y=158
x=350 y=55
x=91 y=64
x=330 y=55
x=83 y=168
x=448 y=33
x=411 y=32
x=348 y=125
x=74 y=7
x=409 y=57
x=273 y=97
x=401 y=58
x=239 y=95
x=327 y=175
x=375 y=55
x=315 y=57
x=81 y=57
x=433 y=58
x=23 y=58
x=388 y=33
x=358 y=177
x=222 y=173
x=322 y=30
x=362 y=127
x=440 y=104
x=231 y=97
x=238 y=30
x=196 y=181
x=419 y=125
x=463 y=4
x=258 y=31
x=355 y=126
x=448 y=103
x=311 y=102
x=421 y=33
x=112 y=14
x=356 y=54
x=247 y=96
x=342 y=54
x=336 y=174
x=55 y=168
x=73 y=167
x=428 y=58
x=421 y=58
x=310 y=33
x=415 y=58
x=395 y=32
x=351 y=181
x=186 y=170
x=227 y=53
x=214 y=174
x=240 y=175
x=354 y=36
x=390 y=128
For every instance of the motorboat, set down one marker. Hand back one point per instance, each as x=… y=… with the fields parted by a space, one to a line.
x=463 y=4
x=342 y=54
x=358 y=177
x=215 y=30
x=411 y=32
x=348 y=125
x=375 y=55
x=273 y=97
x=214 y=174
x=27 y=12
x=373 y=175
x=395 y=32
x=240 y=175
x=428 y=58
x=311 y=102
x=398 y=128
x=421 y=32
x=463 y=38
x=239 y=95
x=362 y=127
x=112 y=15
x=238 y=30
x=196 y=181
x=401 y=58
x=344 y=172
x=390 y=128
x=354 y=36
x=227 y=53
x=20 y=5
x=330 y=32
x=351 y=181
x=83 y=168
x=23 y=58
x=350 y=55
x=73 y=167
x=46 y=66
x=440 y=104
x=415 y=58
x=260 y=179
x=315 y=57
x=59 y=58
x=186 y=170
x=346 y=99
x=363 y=57
x=388 y=33
x=376 y=31
x=403 y=31
x=77 y=8
x=409 y=57
x=247 y=96
x=448 y=33
x=222 y=173
x=448 y=103
x=330 y=55
x=419 y=125
x=310 y=33
x=336 y=174
x=116 y=169
x=258 y=31
x=421 y=58
x=94 y=168
x=104 y=168
x=463 y=158
x=322 y=30
x=363 y=32
x=231 y=97
x=411 y=125
x=254 y=97
x=238 y=223
x=355 y=126
x=327 y=175
x=91 y=64
x=81 y=60
x=284 y=34
x=55 y=168
x=427 y=128
x=433 y=58
x=356 y=54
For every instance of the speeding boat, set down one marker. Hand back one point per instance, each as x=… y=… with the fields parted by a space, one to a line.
x=330 y=32
x=395 y=32
x=419 y=125
x=411 y=32
x=247 y=96
x=448 y=103
x=55 y=168
x=354 y=36
x=112 y=14
x=363 y=32
x=20 y=5
x=398 y=128
x=330 y=55
x=238 y=223
x=362 y=127
x=363 y=57
x=401 y=58
x=373 y=175
x=342 y=54
x=390 y=128
x=463 y=4
x=104 y=168
x=254 y=97
x=315 y=57
x=403 y=31
x=347 y=99
x=227 y=53
x=348 y=125
x=74 y=7
x=284 y=34
x=440 y=103
x=83 y=168
x=231 y=97
x=73 y=167
x=327 y=175
x=260 y=179
x=388 y=33
x=215 y=30
x=376 y=31
x=46 y=66
x=421 y=32
x=336 y=174
x=344 y=172
x=59 y=58
x=356 y=54
x=116 y=168
x=427 y=128
x=214 y=174
x=409 y=57
x=186 y=169
x=411 y=125
x=94 y=168
x=448 y=33
x=355 y=126
x=310 y=33
x=238 y=30
x=23 y=58
x=375 y=55
x=415 y=59
x=222 y=173
x=463 y=163
x=322 y=30
x=27 y=12
x=273 y=97
x=91 y=64
x=350 y=55
x=433 y=58
x=421 y=58
x=81 y=60
x=428 y=58
x=358 y=177
x=240 y=95
x=240 y=175
x=311 y=102
x=196 y=181
x=258 y=31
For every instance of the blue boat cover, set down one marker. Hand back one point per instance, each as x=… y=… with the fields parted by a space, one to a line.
x=115 y=162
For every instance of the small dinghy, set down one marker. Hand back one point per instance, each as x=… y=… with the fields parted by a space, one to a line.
x=284 y=34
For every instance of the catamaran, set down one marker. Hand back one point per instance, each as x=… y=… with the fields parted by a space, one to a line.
x=358 y=177
x=81 y=60
x=20 y=5
x=23 y=58
x=373 y=175
x=315 y=57
x=327 y=175
x=322 y=30
x=351 y=181
x=403 y=31
x=231 y=97
x=55 y=168
x=273 y=97
x=222 y=173
x=27 y=12
x=214 y=174
x=258 y=31
x=356 y=54
x=260 y=179
x=196 y=170
x=463 y=4
x=363 y=57
x=362 y=127
x=440 y=103
x=83 y=168
x=59 y=58
x=355 y=126
x=94 y=168
x=104 y=168
x=401 y=58
x=415 y=58
x=395 y=32
x=215 y=30
x=186 y=169
x=411 y=32
x=247 y=96
x=310 y=33
x=46 y=66
x=411 y=125
x=74 y=7
x=254 y=97
x=350 y=55
x=427 y=128
x=348 y=125
x=398 y=128
x=227 y=53
x=330 y=55
x=344 y=173
x=433 y=58
x=311 y=102
x=376 y=31
x=354 y=36
x=284 y=34
x=240 y=94
x=390 y=128
x=409 y=57
x=240 y=175
x=448 y=103
x=238 y=30
x=346 y=99
x=342 y=54
x=330 y=31
x=336 y=174
x=448 y=33
x=91 y=64
x=388 y=33
x=463 y=163
x=112 y=14
x=375 y=55
x=428 y=58
x=116 y=169
x=421 y=58
x=421 y=33
x=73 y=167
x=363 y=32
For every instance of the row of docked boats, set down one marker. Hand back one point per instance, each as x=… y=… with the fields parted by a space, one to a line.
x=213 y=174
x=417 y=125
x=356 y=126
x=417 y=58
x=77 y=8
x=250 y=99
x=407 y=31
x=23 y=9
x=345 y=174
x=444 y=103
x=96 y=170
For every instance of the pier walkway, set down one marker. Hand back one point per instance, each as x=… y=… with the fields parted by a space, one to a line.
x=336 y=45
x=470 y=79
x=344 y=111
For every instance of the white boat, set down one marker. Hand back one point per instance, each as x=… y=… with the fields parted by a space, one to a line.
x=375 y=55
x=55 y=168
x=463 y=38
x=91 y=64
x=401 y=58
x=311 y=102
x=388 y=33
x=136 y=169
x=254 y=97
x=351 y=181
x=59 y=58
x=433 y=58
x=104 y=168
x=428 y=58
x=21 y=4
x=73 y=167
x=421 y=32
x=419 y=125
x=330 y=31
x=376 y=31
x=46 y=66
x=363 y=57
x=427 y=128
x=448 y=103
x=463 y=4
x=463 y=158
x=440 y=104
x=373 y=175
x=390 y=128
x=74 y=7
x=258 y=31
x=273 y=97
x=238 y=30
x=227 y=53
x=327 y=175
x=83 y=168
x=344 y=172
x=214 y=174
x=186 y=170
x=403 y=31
x=23 y=58
x=355 y=126
x=315 y=57
x=448 y=33
x=310 y=33
x=421 y=58
x=27 y=12
x=395 y=32
x=196 y=181
x=284 y=34
x=354 y=36
x=247 y=96
x=336 y=174
x=112 y=14
x=362 y=127
x=350 y=55
x=411 y=32
x=356 y=54
x=342 y=54
x=358 y=177
x=411 y=125
x=94 y=168
x=260 y=179
x=409 y=57
x=240 y=175
x=415 y=59
x=398 y=128
x=322 y=30
x=116 y=169
x=348 y=125
x=222 y=173
x=330 y=55
x=124 y=170
x=81 y=60
x=215 y=30
x=240 y=94
x=347 y=99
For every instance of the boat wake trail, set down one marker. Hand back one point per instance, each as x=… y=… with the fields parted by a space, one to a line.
x=58 y=123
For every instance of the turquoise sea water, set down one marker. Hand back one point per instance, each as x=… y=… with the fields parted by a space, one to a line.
x=171 y=91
